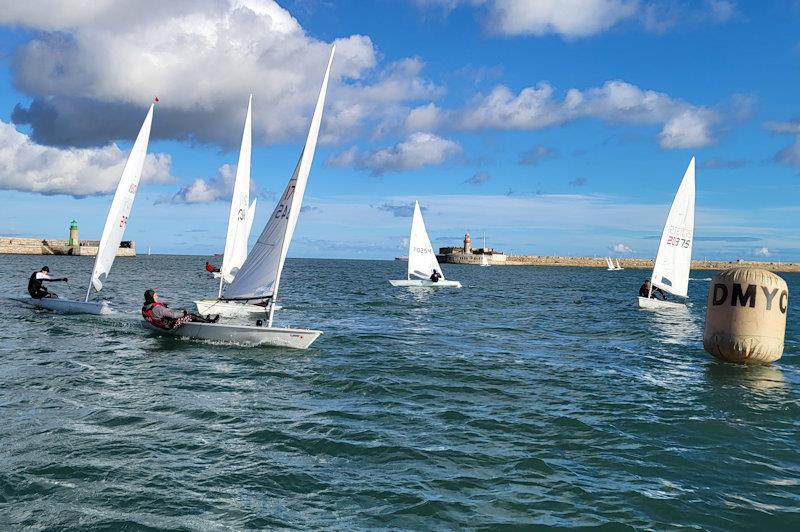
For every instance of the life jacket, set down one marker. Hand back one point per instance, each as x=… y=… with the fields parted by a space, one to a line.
x=209 y=267
x=162 y=323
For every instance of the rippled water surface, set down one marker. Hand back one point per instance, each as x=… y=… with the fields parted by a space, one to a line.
x=532 y=396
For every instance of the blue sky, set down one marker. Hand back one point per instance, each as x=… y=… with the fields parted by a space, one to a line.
x=557 y=127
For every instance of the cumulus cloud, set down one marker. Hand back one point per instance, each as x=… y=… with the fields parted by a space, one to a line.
x=761 y=252
x=205 y=190
x=622 y=248
x=536 y=154
x=418 y=150
x=478 y=179
x=662 y=15
x=91 y=65
x=615 y=102
x=31 y=167
x=790 y=155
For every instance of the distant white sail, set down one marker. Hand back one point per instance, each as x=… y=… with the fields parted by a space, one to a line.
x=259 y=276
x=238 y=224
x=421 y=258
x=618 y=267
x=673 y=262
x=609 y=263
x=121 y=205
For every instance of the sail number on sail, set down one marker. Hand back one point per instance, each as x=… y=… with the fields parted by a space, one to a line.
x=422 y=250
x=282 y=211
x=679 y=236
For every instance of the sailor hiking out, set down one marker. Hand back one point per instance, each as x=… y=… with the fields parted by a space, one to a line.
x=159 y=315
x=36 y=287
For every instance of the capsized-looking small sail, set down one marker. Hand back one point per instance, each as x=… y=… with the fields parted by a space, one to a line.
x=673 y=262
x=421 y=258
x=117 y=218
x=259 y=276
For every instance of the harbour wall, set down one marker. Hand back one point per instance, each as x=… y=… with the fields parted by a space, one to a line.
x=592 y=262
x=37 y=246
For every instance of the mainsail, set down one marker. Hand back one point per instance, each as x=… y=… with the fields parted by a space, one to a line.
x=121 y=206
x=259 y=276
x=240 y=217
x=671 y=269
x=421 y=258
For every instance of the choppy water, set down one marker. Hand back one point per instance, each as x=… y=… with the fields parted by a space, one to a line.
x=532 y=396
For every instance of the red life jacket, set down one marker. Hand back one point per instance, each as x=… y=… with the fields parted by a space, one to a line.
x=147 y=314
x=210 y=267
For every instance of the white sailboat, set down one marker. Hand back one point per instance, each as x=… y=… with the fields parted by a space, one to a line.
x=421 y=258
x=674 y=258
x=618 y=267
x=240 y=221
x=114 y=229
x=610 y=264
x=259 y=276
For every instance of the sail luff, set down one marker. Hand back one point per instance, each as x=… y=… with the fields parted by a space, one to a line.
x=121 y=206
x=237 y=233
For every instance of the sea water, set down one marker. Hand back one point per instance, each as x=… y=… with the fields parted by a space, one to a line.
x=532 y=396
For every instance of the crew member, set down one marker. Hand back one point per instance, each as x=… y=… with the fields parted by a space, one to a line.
x=646 y=291
x=210 y=268
x=158 y=315
x=36 y=286
x=435 y=276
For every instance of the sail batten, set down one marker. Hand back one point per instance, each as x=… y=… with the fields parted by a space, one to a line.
x=259 y=275
x=121 y=205
x=673 y=261
x=421 y=258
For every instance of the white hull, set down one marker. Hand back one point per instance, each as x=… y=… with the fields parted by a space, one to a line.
x=67 y=306
x=425 y=283
x=243 y=334
x=216 y=275
x=652 y=303
x=230 y=309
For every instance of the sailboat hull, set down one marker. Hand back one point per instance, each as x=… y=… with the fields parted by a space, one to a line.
x=67 y=306
x=652 y=303
x=230 y=309
x=425 y=283
x=248 y=335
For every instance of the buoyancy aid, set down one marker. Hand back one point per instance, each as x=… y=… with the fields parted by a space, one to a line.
x=162 y=323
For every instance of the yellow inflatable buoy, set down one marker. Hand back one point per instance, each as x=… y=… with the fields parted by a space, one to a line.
x=746 y=316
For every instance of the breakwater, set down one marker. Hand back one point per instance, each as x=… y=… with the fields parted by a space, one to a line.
x=600 y=262
x=38 y=246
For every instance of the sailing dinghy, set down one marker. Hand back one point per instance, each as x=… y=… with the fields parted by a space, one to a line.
x=610 y=264
x=240 y=221
x=113 y=231
x=674 y=258
x=618 y=267
x=259 y=276
x=421 y=258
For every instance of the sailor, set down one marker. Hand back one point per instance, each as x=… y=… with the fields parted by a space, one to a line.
x=435 y=276
x=36 y=287
x=157 y=314
x=210 y=268
x=645 y=290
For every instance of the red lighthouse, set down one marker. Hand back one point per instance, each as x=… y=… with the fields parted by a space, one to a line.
x=467 y=243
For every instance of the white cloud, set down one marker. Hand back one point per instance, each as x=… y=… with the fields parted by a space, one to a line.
x=31 y=167
x=418 y=150
x=574 y=19
x=108 y=58
x=622 y=248
x=569 y=18
x=761 y=252
x=202 y=190
x=616 y=102
x=424 y=118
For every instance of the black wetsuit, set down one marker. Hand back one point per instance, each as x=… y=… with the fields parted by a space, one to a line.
x=36 y=287
x=643 y=292
x=435 y=276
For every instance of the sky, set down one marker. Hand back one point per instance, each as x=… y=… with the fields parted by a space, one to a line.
x=551 y=126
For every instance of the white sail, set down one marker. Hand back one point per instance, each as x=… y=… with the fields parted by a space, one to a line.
x=121 y=206
x=259 y=276
x=238 y=228
x=671 y=269
x=610 y=264
x=421 y=258
x=618 y=267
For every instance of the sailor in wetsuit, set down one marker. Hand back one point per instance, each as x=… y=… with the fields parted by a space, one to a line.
x=157 y=314
x=645 y=291
x=435 y=276
x=36 y=281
